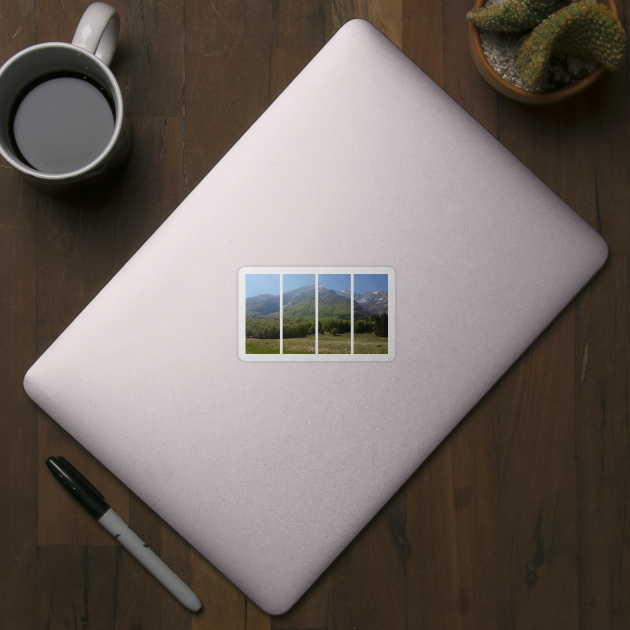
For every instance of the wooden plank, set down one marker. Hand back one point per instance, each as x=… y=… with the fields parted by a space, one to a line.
x=608 y=127
x=18 y=481
x=575 y=147
x=17 y=28
x=558 y=148
x=537 y=537
x=76 y=587
x=154 y=57
x=386 y=15
x=61 y=520
x=452 y=527
x=224 y=606
x=18 y=424
x=55 y=23
x=226 y=78
x=142 y=600
x=285 y=64
x=152 y=185
x=313 y=609
x=300 y=22
x=369 y=577
x=423 y=36
x=603 y=468
x=461 y=78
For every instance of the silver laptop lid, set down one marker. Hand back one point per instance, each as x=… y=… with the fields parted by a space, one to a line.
x=362 y=167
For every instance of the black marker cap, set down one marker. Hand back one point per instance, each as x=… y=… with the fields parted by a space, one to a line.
x=78 y=486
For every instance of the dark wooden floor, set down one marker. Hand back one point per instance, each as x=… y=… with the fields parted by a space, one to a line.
x=518 y=520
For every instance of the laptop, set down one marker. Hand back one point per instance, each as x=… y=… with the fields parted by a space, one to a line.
x=316 y=316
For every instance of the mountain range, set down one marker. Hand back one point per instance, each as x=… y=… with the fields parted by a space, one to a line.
x=300 y=302
x=374 y=302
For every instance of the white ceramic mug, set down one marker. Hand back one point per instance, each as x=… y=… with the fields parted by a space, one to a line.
x=88 y=57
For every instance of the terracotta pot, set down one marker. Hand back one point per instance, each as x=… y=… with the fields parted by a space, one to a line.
x=518 y=94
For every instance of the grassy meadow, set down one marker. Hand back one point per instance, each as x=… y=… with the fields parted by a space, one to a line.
x=300 y=345
x=369 y=343
x=262 y=346
x=364 y=343
x=339 y=344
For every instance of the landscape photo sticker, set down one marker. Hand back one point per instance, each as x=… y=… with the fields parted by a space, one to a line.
x=316 y=314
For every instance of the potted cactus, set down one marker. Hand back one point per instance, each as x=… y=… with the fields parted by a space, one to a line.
x=558 y=49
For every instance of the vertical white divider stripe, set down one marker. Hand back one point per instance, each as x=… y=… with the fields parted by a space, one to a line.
x=281 y=316
x=316 y=313
x=351 y=313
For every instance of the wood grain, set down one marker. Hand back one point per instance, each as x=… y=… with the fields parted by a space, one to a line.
x=285 y=64
x=76 y=587
x=61 y=521
x=144 y=601
x=18 y=416
x=226 y=78
x=461 y=79
x=313 y=610
x=154 y=57
x=602 y=380
x=224 y=606
x=537 y=510
x=422 y=36
x=452 y=515
x=386 y=15
x=300 y=22
x=517 y=520
x=369 y=577
x=57 y=22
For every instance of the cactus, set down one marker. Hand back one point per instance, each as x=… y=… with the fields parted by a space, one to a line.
x=584 y=29
x=513 y=16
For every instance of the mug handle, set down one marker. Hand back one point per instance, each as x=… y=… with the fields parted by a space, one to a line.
x=98 y=30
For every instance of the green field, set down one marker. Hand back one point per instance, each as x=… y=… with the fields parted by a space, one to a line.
x=262 y=346
x=300 y=345
x=368 y=343
x=364 y=343
x=339 y=344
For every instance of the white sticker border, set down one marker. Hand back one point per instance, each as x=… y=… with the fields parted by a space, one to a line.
x=391 y=318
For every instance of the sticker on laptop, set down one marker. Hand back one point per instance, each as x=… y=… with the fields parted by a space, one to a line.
x=308 y=314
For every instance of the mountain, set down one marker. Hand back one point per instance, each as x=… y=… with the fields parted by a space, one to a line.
x=374 y=302
x=297 y=295
x=300 y=302
x=304 y=308
x=262 y=305
x=346 y=293
x=332 y=304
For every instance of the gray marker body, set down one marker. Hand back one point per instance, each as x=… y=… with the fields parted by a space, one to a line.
x=149 y=559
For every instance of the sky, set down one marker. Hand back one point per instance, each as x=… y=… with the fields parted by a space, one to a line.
x=335 y=281
x=370 y=282
x=296 y=280
x=260 y=283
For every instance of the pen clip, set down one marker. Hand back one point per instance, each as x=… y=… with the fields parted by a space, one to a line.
x=69 y=466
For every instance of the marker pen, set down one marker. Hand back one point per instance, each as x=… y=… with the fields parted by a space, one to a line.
x=94 y=502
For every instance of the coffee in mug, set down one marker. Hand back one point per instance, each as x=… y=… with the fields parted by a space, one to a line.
x=65 y=128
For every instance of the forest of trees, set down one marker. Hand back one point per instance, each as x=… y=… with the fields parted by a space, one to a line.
x=262 y=328
x=327 y=324
x=372 y=323
x=265 y=328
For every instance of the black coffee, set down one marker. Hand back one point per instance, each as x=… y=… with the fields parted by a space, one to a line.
x=61 y=123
